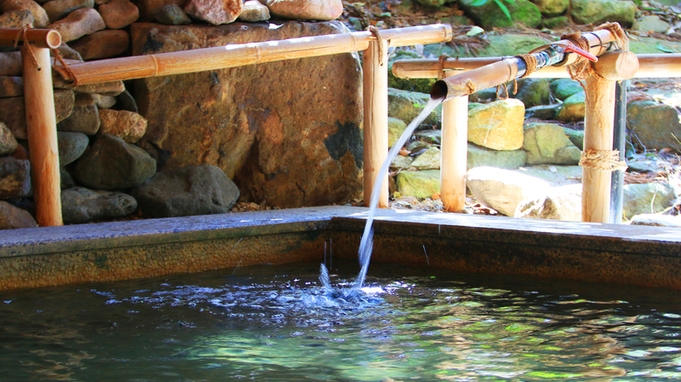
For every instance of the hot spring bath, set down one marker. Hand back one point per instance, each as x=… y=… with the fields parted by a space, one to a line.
x=447 y=296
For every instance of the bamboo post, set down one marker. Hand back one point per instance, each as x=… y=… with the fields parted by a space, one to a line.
x=598 y=132
x=41 y=125
x=375 y=86
x=454 y=155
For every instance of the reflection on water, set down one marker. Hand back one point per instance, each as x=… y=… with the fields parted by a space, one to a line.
x=282 y=324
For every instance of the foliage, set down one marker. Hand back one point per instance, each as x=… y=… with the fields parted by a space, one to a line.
x=502 y=6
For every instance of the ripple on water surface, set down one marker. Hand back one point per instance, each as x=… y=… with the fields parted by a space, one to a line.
x=284 y=324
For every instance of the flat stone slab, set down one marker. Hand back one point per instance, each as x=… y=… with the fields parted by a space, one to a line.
x=635 y=255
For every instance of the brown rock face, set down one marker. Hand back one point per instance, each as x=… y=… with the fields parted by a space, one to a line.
x=288 y=133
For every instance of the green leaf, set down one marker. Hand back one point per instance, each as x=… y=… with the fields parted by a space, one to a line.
x=663 y=48
x=478 y=3
x=503 y=9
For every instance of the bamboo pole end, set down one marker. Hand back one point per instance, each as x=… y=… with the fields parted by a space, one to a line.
x=616 y=66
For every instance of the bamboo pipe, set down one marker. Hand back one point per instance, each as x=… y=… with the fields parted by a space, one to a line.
x=40 y=38
x=164 y=64
x=599 y=124
x=650 y=66
x=375 y=87
x=41 y=125
x=454 y=154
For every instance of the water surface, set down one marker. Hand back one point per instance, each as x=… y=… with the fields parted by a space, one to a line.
x=280 y=324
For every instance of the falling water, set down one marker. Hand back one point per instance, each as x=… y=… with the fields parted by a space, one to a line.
x=367 y=243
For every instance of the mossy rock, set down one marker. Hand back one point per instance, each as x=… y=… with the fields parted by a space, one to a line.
x=490 y=15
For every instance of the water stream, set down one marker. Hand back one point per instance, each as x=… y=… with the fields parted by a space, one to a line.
x=366 y=244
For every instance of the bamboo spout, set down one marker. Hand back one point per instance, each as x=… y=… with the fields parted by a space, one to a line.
x=482 y=78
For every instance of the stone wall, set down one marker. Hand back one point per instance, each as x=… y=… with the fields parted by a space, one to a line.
x=283 y=134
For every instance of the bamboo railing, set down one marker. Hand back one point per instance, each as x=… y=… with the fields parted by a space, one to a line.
x=40 y=106
x=464 y=76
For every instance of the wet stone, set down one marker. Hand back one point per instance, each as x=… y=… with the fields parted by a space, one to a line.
x=112 y=164
x=12 y=217
x=82 y=205
x=193 y=190
x=8 y=144
x=15 y=178
x=71 y=146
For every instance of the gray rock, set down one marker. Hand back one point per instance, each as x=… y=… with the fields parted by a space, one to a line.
x=7 y=141
x=547 y=143
x=193 y=190
x=254 y=11
x=654 y=125
x=508 y=159
x=545 y=112
x=502 y=189
x=171 y=14
x=65 y=178
x=57 y=9
x=428 y=160
x=490 y=15
x=401 y=163
x=11 y=86
x=16 y=19
x=646 y=198
x=563 y=88
x=84 y=118
x=112 y=164
x=533 y=91
x=596 y=12
x=407 y=105
x=559 y=203
x=82 y=205
x=651 y=23
x=13 y=111
x=421 y=184
x=125 y=101
x=572 y=109
x=12 y=217
x=15 y=178
x=71 y=146
x=575 y=136
x=551 y=8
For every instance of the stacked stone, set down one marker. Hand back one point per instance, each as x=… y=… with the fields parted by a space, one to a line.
x=99 y=125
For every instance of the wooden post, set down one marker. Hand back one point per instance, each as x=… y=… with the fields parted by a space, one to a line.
x=41 y=125
x=375 y=66
x=454 y=155
x=598 y=132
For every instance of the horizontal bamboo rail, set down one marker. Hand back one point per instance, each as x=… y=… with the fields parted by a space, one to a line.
x=39 y=38
x=171 y=63
x=650 y=66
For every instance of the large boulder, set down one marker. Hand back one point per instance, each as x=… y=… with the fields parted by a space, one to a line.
x=112 y=164
x=287 y=132
x=503 y=189
x=548 y=143
x=322 y=10
x=193 y=190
